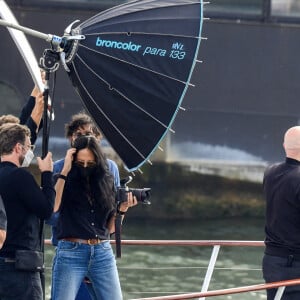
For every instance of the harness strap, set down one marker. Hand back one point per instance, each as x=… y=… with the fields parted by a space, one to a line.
x=118 y=225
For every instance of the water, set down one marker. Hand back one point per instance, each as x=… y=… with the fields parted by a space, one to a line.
x=156 y=271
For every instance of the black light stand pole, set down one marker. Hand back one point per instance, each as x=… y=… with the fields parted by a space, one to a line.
x=45 y=140
x=49 y=63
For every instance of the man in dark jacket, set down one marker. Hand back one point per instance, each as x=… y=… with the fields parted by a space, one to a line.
x=282 y=192
x=31 y=114
x=26 y=205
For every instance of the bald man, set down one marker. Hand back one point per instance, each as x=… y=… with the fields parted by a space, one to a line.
x=282 y=229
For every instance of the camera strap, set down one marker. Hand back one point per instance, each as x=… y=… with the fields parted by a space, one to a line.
x=118 y=226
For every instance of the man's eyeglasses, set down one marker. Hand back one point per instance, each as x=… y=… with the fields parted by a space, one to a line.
x=31 y=147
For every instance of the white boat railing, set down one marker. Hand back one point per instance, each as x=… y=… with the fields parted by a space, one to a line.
x=216 y=244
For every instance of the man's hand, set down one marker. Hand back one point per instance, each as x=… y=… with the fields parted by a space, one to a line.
x=38 y=109
x=2 y=237
x=36 y=90
x=46 y=164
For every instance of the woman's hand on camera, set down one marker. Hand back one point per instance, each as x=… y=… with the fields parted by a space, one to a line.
x=131 y=201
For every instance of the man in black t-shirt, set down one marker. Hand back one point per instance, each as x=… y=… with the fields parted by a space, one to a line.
x=26 y=205
x=3 y=223
x=282 y=193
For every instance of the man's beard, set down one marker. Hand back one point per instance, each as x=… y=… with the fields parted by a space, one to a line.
x=21 y=159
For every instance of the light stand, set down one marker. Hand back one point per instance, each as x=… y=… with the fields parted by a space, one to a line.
x=49 y=62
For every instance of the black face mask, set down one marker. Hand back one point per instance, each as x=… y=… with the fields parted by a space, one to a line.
x=85 y=172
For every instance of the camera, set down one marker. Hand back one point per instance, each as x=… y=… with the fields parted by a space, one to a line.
x=142 y=195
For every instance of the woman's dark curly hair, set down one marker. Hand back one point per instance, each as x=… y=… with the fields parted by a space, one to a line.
x=101 y=183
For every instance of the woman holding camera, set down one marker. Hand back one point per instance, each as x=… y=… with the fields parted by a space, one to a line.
x=85 y=198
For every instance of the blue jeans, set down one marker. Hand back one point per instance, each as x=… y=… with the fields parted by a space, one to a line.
x=277 y=268
x=84 y=293
x=19 y=285
x=74 y=261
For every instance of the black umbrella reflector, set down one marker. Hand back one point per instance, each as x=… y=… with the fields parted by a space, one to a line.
x=133 y=68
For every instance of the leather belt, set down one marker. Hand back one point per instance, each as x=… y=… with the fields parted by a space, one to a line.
x=81 y=241
x=274 y=251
